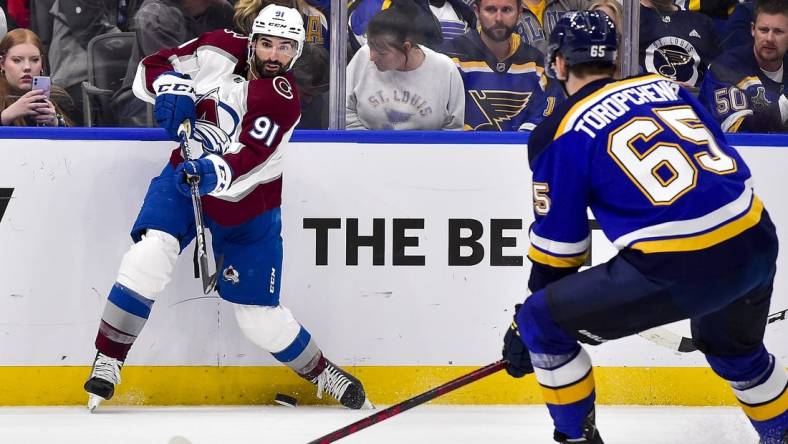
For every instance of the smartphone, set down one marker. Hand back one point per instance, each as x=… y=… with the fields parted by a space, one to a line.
x=43 y=83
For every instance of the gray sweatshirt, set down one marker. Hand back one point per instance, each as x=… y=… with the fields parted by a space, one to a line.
x=430 y=97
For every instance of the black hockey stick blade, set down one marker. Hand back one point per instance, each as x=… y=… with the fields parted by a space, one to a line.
x=410 y=403
x=209 y=283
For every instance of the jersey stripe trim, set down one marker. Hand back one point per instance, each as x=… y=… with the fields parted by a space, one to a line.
x=560 y=248
x=556 y=261
x=721 y=234
x=734 y=121
x=687 y=227
x=582 y=105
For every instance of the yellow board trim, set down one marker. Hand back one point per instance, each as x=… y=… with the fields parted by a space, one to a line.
x=38 y=386
x=769 y=410
x=725 y=232
x=573 y=393
x=556 y=261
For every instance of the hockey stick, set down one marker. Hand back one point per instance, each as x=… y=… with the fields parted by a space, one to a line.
x=412 y=402
x=666 y=338
x=201 y=250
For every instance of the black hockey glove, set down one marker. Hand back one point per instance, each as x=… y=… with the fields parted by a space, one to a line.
x=515 y=351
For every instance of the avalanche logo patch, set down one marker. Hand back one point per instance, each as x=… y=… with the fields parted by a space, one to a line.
x=283 y=88
x=231 y=275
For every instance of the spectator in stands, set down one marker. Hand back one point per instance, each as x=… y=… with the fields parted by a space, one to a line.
x=312 y=68
x=674 y=43
x=21 y=58
x=506 y=88
x=163 y=24
x=738 y=28
x=539 y=16
x=394 y=82
x=745 y=87
x=717 y=9
x=75 y=23
x=613 y=10
x=437 y=20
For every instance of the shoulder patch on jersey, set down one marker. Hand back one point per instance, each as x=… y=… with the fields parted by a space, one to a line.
x=283 y=88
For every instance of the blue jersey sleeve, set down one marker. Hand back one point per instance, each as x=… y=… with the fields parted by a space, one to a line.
x=560 y=236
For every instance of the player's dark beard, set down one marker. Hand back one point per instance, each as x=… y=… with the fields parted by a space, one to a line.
x=490 y=32
x=263 y=73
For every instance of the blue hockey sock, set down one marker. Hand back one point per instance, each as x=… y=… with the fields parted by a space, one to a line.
x=562 y=367
x=760 y=384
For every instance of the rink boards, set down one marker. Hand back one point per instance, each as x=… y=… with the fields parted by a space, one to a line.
x=404 y=255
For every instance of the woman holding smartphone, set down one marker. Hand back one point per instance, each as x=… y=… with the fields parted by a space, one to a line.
x=21 y=59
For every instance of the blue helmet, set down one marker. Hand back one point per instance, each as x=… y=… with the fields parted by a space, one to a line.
x=581 y=37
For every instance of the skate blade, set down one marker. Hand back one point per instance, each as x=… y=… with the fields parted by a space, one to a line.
x=367 y=405
x=93 y=402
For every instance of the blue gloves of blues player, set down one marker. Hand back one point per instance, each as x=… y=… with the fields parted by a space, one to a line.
x=175 y=99
x=515 y=351
x=212 y=171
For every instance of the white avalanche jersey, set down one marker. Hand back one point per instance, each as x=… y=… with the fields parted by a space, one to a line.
x=247 y=123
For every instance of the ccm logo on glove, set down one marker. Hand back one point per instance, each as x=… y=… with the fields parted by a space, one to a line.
x=175 y=88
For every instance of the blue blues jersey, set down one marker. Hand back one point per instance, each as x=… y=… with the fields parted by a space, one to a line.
x=649 y=162
x=740 y=95
x=509 y=95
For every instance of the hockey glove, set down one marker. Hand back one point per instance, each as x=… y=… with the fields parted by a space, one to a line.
x=212 y=173
x=175 y=99
x=515 y=351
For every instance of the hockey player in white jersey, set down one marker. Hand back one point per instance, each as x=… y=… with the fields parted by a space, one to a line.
x=239 y=96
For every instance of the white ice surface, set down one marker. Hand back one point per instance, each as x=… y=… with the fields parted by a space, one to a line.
x=424 y=424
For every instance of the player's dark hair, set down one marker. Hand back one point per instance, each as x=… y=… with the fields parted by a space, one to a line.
x=582 y=70
x=771 y=7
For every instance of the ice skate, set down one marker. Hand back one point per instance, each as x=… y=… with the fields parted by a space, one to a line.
x=342 y=386
x=590 y=432
x=101 y=384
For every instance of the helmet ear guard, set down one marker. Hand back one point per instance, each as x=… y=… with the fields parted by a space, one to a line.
x=582 y=37
x=277 y=21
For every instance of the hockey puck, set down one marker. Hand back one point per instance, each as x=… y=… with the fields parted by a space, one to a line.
x=287 y=401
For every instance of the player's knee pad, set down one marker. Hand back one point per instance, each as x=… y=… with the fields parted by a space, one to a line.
x=540 y=333
x=147 y=267
x=271 y=328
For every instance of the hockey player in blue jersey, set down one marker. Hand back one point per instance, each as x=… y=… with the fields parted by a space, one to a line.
x=694 y=241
